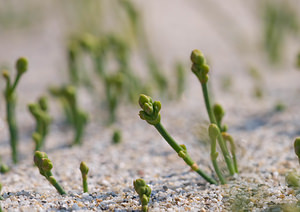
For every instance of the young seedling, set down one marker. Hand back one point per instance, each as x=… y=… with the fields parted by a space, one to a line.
x=214 y=133
x=201 y=70
x=117 y=137
x=44 y=164
x=77 y=117
x=11 y=98
x=43 y=121
x=144 y=192
x=150 y=113
x=84 y=171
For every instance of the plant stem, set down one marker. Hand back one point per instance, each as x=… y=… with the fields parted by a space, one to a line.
x=179 y=149
x=207 y=103
x=212 y=119
x=13 y=131
x=214 y=156
x=58 y=188
x=85 y=184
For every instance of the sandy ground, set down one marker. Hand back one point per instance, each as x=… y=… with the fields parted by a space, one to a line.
x=230 y=36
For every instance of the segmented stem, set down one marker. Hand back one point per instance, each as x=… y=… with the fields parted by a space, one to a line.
x=179 y=149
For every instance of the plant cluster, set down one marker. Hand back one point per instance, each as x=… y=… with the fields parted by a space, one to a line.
x=93 y=54
x=151 y=113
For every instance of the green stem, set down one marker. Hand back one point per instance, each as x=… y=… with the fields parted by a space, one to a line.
x=218 y=171
x=11 y=119
x=214 y=155
x=228 y=138
x=207 y=104
x=212 y=119
x=12 y=89
x=178 y=149
x=226 y=155
x=85 y=184
x=58 y=188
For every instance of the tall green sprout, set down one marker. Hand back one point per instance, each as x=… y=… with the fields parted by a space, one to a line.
x=11 y=99
x=201 y=70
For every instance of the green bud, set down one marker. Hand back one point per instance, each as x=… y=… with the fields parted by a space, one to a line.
x=38 y=156
x=218 y=112
x=139 y=183
x=197 y=57
x=6 y=75
x=213 y=131
x=144 y=99
x=84 y=168
x=150 y=111
x=46 y=164
x=21 y=65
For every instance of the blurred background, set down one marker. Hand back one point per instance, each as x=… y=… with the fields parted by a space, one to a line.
x=122 y=48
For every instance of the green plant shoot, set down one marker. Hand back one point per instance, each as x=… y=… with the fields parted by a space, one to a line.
x=144 y=192
x=45 y=165
x=84 y=169
x=201 y=69
x=151 y=113
x=11 y=98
